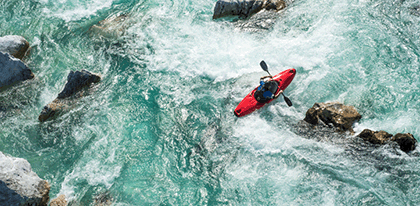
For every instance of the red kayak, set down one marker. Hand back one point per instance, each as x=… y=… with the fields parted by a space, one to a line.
x=249 y=104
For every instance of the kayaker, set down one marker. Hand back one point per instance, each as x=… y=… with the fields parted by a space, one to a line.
x=267 y=89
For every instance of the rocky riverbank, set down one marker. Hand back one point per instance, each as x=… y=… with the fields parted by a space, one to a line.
x=19 y=185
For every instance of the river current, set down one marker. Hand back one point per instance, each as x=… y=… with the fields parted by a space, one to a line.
x=159 y=129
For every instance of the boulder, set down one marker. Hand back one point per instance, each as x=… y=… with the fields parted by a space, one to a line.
x=52 y=109
x=59 y=201
x=245 y=8
x=337 y=114
x=19 y=185
x=76 y=81
x=406 y=141
x=375 y=137
x=15 y=45
x=12 y=70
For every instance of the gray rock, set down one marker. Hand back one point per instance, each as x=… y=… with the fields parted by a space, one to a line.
x=337 y=114
x=76 y=81
x=12 y=70
x=19 y=185
x=15 y=45
x=245 y=8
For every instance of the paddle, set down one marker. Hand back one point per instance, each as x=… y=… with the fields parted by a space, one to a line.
x=287 y=100
x=265 y=68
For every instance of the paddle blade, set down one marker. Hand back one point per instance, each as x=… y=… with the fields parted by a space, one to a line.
x=287 y=100
x=264 y=65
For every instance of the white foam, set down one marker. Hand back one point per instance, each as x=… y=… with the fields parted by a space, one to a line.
x=70 y=10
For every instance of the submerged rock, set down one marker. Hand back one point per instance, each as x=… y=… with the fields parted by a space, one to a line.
x=415 y=10
x=245 y=8
x=103 y=199
x=76 y=81
x=339 y=115
x=12 y=70
x=19 y=185
x=16 y=46
x=112 y=27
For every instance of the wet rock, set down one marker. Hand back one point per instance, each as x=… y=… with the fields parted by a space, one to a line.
x=259 y=22
x=19 y=185
x=406 y=141
x=59 y=201
x=103 y=199
x=245 y=8
x=375 y=137
x=339 y=115
x=12 y=70
x=52 y=109
x=15 y=45
x=323 y=119
x=275 y=5
x=76 y=81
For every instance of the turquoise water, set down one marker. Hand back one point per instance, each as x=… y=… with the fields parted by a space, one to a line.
x=159 y=128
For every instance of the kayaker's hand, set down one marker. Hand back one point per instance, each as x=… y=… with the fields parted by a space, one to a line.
x=278 y=94
x=269 y=76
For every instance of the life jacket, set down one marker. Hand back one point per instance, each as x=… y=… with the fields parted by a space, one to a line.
x=266 y=91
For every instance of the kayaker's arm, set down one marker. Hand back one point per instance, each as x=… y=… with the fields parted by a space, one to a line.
x=278 y=94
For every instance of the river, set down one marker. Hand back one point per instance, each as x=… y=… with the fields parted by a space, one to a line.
x=159 y=128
